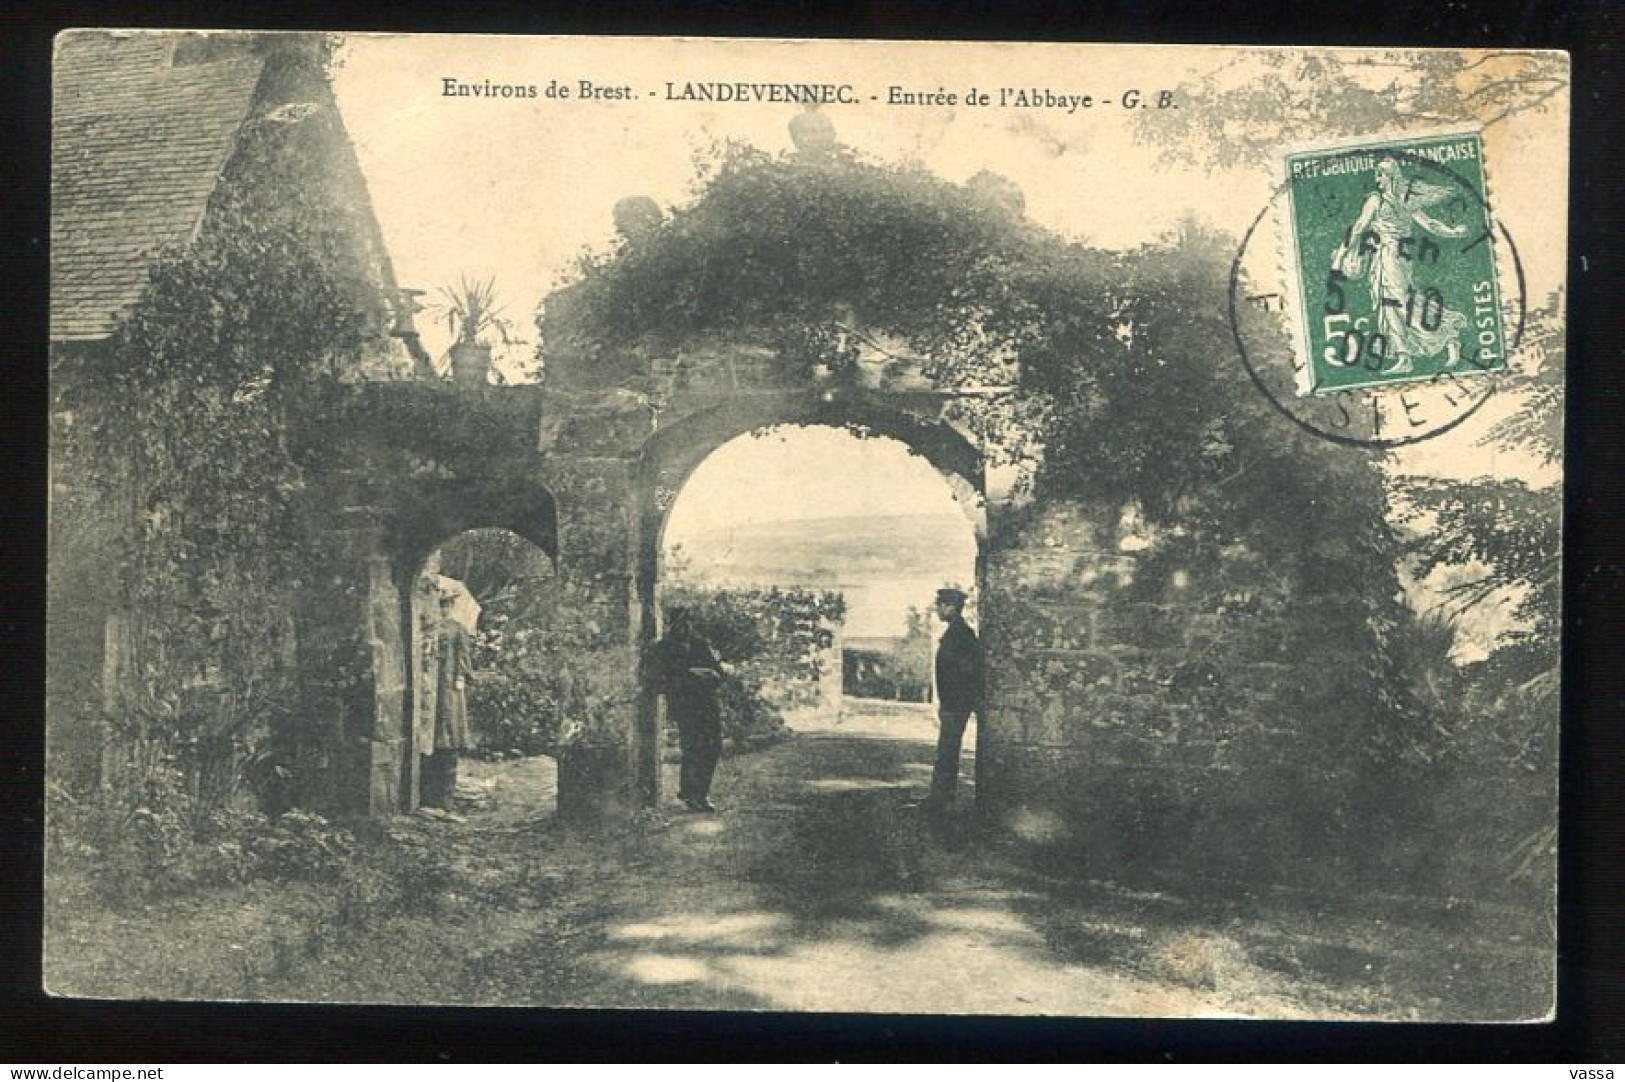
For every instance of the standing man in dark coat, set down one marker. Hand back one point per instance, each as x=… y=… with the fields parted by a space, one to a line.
x=690 y=675
x=959 y=693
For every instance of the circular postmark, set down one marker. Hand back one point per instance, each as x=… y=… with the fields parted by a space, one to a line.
x=1366 y=298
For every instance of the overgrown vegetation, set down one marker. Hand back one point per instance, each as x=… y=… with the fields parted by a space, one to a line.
x=1485 y=743
x=178 y=464
x=1120 y=399
x=1497 y=544
x=157 y=848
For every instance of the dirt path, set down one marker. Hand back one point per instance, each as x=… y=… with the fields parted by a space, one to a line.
x=817 y=889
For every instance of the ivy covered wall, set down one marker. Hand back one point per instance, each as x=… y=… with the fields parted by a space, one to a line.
x=181 y=488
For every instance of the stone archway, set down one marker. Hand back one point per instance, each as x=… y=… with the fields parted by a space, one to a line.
x=519 y=625
x=426 y=517
x=671 y=456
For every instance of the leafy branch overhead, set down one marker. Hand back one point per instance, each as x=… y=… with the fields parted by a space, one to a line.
x=1275 y=97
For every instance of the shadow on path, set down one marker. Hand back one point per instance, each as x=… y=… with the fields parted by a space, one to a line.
x=819 y=889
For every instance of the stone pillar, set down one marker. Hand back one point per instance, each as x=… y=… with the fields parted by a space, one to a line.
x=1048 y=675
x=597 y=772
x=350 y=739
x=387 y=744
x=423 y=666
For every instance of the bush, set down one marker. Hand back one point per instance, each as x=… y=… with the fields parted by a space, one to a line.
x=299 y=845
x=748 y=719
x=514 y=702
x=146 y=844
x=130 y=854
x=775 y=642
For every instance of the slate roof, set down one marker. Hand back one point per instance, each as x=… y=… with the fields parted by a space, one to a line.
x=137 y=147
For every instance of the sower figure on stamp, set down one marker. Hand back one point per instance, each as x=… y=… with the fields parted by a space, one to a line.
x=455 y=669
x=959 y=694
x=1382 y=249
x=690 y=674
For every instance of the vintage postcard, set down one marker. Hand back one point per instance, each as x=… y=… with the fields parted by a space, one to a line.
x=854 y=526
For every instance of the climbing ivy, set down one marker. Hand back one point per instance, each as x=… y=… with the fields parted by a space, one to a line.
x=181 y=435
x=1122 y=360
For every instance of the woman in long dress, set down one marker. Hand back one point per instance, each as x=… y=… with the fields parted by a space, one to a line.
x=1411 y=325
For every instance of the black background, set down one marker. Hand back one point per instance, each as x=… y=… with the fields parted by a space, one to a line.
x=1591 y=1012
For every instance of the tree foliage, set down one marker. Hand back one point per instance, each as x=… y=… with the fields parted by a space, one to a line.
x=1276 y=97
x=1497 y=539
x=1505 y=531
x=776 y=642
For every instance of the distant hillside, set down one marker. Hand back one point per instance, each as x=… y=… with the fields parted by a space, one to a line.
x=847 y=549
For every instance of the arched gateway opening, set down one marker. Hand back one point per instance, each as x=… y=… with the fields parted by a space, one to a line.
x=809 y=536
x=495 y=644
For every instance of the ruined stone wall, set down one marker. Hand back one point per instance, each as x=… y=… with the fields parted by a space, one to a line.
x=1136 y=721
x=396 y=470
x=1135 y=724
x=1143 y=728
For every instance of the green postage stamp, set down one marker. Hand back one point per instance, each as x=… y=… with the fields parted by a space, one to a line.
x=1391 y=246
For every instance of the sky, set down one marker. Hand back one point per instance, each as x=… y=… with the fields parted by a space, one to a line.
x=836 y=474
x=519 y=190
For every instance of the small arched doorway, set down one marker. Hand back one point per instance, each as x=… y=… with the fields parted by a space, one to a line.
x=487 y=612
x=846 y=446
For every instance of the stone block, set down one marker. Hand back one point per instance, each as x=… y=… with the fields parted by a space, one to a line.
x=1052 y=627
x=389 y=662
x=1203 y=629
x=384 y=774
x=1142 y=624
x=608 y=422
x=1259 y=640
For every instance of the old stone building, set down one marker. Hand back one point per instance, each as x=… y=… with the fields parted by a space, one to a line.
x=149 y=130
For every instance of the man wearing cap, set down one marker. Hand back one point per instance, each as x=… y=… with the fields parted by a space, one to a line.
x=959 y=693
